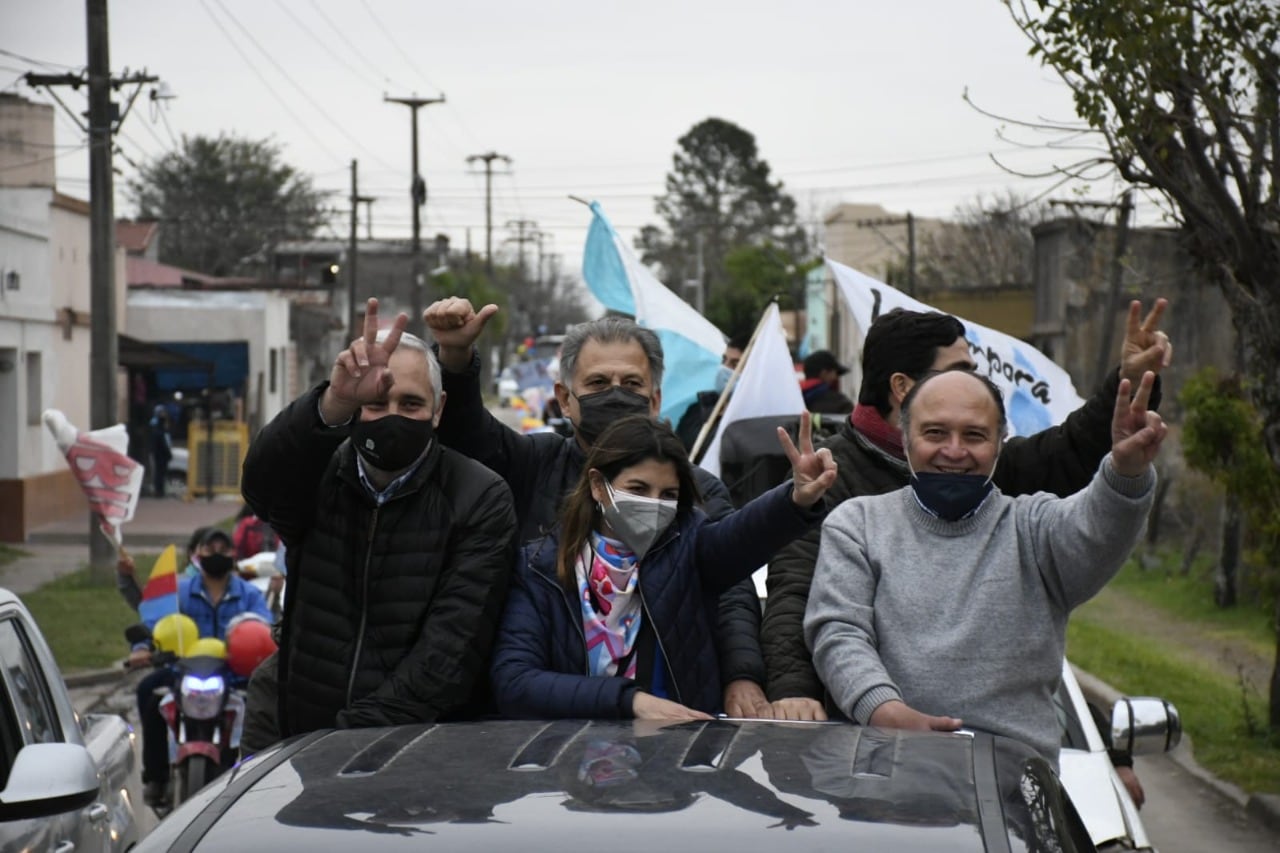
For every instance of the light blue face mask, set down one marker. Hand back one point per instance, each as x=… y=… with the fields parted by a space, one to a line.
x=723 y=375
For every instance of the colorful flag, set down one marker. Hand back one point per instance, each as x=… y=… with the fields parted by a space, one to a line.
x=160 y=595
x=766 y=386
x=110 y=479
x=691 y=344
x=1037 y=392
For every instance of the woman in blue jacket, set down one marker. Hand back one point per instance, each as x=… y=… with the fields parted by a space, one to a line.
x=611 y=614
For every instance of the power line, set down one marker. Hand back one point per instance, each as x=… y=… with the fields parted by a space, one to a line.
x=41 y=62
x=302 y=91
x=267 y=85
x=378 y=23
x=345 y=38
x=26 y=163
x=329 y=51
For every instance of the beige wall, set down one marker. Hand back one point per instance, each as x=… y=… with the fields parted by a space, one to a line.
x=26 y=143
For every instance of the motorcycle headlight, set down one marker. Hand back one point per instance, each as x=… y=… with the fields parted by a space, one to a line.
x=202 y=697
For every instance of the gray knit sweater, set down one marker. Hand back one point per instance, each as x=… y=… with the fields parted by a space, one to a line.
x=968 y=618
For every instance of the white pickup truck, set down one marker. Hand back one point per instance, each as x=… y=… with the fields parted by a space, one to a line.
x=63 y=777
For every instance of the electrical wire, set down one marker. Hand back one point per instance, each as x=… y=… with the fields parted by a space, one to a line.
x=40 y=62
x=395 y=44
x=324 y=113
x=346 y=39
x=271 y=89
x=39 y=160
x=328 y=50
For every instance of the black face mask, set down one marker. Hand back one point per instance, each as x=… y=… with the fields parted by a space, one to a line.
x=597 y=411
x=392 y=442
x=951 y=496
x=217 y=566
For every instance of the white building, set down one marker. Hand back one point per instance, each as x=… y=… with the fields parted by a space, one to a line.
x=44 y=321
x=257 y=319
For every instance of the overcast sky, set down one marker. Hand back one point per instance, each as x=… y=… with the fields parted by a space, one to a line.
x=853 y=101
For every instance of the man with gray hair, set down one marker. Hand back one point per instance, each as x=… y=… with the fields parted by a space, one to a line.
x=398 y=550
x=609 y=368
x=945 y=603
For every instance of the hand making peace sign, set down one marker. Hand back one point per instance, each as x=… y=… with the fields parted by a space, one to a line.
x=360 y=374
x=812 y=472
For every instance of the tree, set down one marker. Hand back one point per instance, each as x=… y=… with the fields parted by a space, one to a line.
x=719 y=197
x=221 y=199
x=989 y=244
x=1185 y=96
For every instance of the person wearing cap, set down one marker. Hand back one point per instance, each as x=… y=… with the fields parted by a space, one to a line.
x=213 y=597
x=821 y=385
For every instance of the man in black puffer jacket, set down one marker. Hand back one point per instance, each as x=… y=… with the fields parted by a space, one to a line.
x=399 y=550
x=608 y=368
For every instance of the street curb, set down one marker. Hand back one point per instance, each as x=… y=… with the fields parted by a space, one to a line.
x=1265 y=808
x=95 y=677
x=135 y=540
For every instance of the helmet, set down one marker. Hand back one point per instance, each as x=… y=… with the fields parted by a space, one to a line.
x=175 y=633
x=207 y=647
x=249 y=643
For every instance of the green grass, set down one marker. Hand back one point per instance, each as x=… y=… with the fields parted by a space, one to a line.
x=1190 y=598
x=8 y=554
x=84 y=621
x=1227 y=725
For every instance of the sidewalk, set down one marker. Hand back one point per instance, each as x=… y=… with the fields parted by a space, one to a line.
x=61 y=548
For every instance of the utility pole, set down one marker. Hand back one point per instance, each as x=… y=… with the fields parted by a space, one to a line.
x=526 y=232
x=910 y=221
x=104 y=120
x=1105 y=357
x=367 y=201
x=488 y=157
x=418 y=198
x=353 y=252
x=1116 y=274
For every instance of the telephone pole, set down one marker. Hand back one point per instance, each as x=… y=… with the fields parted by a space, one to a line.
x=104 y=120
x=526 y=232
x=488 y=157
x=910 y=221
x=353 y=252
x=418 y=198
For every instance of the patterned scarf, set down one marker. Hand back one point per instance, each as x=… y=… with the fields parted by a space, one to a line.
x=606 y=573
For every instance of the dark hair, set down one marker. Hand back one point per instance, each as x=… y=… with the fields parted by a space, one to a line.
x=739 y=341
x=628 y=441
x=609 y=330
x=902 y=341
x=196 y=540
x=904 y=414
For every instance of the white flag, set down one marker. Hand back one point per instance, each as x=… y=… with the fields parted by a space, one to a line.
x=1037 y=392
x=767 y=385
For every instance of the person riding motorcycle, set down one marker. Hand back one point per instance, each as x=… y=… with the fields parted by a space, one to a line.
x=212 y=599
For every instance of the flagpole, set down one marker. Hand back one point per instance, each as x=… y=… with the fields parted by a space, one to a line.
x=707 y=427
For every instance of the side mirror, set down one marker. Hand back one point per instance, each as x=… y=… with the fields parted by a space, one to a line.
x=48 y=779
x=1145 y=726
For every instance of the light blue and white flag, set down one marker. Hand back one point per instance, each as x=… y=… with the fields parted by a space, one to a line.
x=767 y=385
x=691 y=344
x=1037 y=392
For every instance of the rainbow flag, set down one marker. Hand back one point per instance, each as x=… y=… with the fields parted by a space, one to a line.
x=160 y=595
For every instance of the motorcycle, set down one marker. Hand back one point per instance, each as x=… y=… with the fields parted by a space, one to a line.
x=203 y=711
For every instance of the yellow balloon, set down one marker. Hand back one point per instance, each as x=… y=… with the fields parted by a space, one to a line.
x=208 y=647
x=175 y=633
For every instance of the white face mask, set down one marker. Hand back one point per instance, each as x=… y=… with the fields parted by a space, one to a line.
x=636 y=520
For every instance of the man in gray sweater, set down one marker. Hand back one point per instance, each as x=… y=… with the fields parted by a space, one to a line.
x=945 y=603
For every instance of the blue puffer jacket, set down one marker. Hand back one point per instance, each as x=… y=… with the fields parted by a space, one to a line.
x=540 y=661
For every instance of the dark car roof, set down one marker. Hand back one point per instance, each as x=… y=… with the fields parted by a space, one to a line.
x=629 y=785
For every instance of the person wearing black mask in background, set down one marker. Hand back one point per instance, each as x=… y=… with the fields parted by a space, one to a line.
x=398 y=550
x=609 y=368
x=212 y=598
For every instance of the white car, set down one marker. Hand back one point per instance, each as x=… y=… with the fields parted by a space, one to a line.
x=64 y=777
x=1139 y=726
